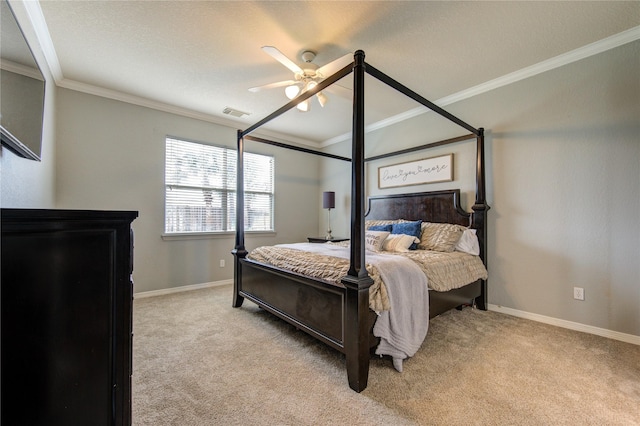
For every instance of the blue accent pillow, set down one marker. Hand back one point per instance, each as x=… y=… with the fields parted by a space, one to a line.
x=384 y=228
x=408 y=228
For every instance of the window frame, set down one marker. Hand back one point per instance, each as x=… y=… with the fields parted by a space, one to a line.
x=227 y=219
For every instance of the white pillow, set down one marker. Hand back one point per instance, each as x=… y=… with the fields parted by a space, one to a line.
x=468 y=242
x=399 y=242
x=374 y=239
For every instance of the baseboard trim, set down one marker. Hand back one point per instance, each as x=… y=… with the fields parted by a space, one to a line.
x=616 y=335
x=172 y=290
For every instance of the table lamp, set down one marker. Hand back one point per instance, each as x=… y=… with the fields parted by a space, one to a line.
x=329 y=202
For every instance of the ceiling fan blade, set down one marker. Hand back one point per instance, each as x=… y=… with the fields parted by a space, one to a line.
x=335 y=66
x=341 y=91
x=280 y=57
x=272 y=85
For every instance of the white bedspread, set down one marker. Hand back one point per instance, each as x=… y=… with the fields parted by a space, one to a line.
x=402 y=328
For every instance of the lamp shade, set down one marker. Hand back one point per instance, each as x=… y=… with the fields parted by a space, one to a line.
x=328 y=200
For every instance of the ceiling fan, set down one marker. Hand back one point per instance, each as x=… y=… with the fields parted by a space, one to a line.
x=307 y=76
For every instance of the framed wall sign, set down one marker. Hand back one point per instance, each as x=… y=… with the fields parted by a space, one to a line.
x=428 y=170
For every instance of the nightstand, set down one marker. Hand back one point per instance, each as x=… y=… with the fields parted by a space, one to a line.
x=324 y=240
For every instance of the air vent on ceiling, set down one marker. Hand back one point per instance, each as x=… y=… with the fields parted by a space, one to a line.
x=234 y=112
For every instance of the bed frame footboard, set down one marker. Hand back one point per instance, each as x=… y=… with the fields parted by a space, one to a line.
x=312 y=306
x=337 y=315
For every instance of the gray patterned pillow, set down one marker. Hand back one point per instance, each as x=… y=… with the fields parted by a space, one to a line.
x=440 y=236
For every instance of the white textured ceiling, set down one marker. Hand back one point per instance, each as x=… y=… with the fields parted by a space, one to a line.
x=202 y=56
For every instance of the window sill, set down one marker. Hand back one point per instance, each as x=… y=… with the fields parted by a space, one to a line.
x=211 y=235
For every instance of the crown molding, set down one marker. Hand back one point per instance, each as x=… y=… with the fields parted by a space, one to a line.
x=20 y=69
x=141 y=101
x=175 y=110
x=41 y=30
x=591 y=49
x=580 y=53
x=34 y=12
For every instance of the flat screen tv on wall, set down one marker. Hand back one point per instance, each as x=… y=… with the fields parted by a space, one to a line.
x=22 y=87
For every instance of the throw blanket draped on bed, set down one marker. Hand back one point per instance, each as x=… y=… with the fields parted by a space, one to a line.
x=327 y=262
x=401 y=329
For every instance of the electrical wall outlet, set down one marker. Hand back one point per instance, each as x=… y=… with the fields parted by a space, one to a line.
x=578 y=293
x=222 y=263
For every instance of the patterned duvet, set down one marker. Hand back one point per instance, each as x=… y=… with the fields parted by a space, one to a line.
x=444 y=271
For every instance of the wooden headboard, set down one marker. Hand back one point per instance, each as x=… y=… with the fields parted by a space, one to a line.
x=437 y=206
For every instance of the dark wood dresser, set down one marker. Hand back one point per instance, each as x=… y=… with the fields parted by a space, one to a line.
x=66 y=294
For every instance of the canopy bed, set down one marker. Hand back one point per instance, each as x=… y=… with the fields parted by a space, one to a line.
x=341 y=312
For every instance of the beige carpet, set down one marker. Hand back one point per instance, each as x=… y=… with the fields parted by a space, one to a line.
x=198 y=361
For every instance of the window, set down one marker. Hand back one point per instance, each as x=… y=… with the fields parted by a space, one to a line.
x=200 y=189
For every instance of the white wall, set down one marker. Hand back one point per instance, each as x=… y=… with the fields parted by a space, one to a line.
x=110 y=155
x=563 y=158
x=27 y=183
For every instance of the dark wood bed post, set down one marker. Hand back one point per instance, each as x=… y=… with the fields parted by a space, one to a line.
x=357 y=281
x=239 y=251
x=480 y=213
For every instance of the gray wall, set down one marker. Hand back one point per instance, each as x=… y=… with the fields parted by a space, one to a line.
x=563 y=157
x=566 y=191
x=110 y=155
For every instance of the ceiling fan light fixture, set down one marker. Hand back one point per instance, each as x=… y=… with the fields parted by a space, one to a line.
x=292 y=91
x=322 y=99
x=304 y=106
x=305 y=77
x=308 y=56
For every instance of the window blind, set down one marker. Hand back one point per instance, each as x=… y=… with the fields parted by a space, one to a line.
x=200 y=188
